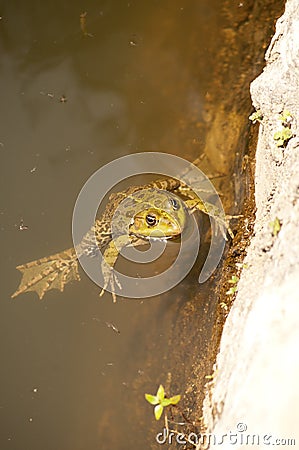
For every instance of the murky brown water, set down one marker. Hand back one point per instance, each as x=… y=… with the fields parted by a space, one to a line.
x=137 y=81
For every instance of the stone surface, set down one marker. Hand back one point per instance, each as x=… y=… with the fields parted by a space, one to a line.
x=257 y=372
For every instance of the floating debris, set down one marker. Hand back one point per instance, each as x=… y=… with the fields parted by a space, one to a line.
x=23 y=227
x=113 y=327
x=133 y=43
x=135 y=40
x=83 y=25
x=47 y=94
x=108 y=324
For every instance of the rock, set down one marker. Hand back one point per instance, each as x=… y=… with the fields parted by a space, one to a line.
x=255 y=388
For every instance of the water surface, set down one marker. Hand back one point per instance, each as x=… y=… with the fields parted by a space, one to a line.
x=133 y=78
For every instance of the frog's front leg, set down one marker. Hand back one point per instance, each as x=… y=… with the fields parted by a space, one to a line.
x=211 y=210
x=110 y=256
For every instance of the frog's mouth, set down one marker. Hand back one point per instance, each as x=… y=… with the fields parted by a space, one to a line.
x=161 y=238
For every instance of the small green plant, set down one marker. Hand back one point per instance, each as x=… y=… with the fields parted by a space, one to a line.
x=275 y=226
x=242 y=266
x=232 y=290
x=283 y=135
x=234 y=280
x=159 y=401
x=257 y=116
x=224 y=306
x=285 y=117
x=212 y=376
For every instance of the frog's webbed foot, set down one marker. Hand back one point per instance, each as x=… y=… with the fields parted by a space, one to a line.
x=228 y=218
x=52 y=272
x=196 y=204
x=110 y=281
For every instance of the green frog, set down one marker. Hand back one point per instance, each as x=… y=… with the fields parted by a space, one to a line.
x=157 y=210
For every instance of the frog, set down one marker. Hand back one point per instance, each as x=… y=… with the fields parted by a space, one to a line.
x=157 y=210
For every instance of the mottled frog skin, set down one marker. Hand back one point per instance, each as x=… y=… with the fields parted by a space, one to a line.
x=131 y=217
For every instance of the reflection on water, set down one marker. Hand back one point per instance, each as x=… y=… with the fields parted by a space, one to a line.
x=76 y=94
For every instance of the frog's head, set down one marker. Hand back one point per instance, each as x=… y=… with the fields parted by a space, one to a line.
x=164 y=217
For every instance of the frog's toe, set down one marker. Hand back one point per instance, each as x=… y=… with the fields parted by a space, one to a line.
x=102 y=293
x=230 y=232
x=113 y=297
x=112 y=281
x=224 y=231
x=117 y=282
x=106 y=284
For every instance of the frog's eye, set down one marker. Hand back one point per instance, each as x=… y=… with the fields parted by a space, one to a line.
x=151 y=220
x=174 y=203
